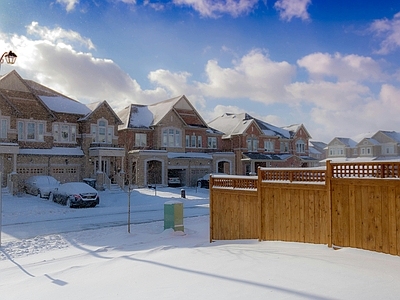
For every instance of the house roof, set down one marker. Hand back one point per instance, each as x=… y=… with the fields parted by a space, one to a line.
x=236 y=124
x=347 y=142
x=395 y=136
x=146 y=116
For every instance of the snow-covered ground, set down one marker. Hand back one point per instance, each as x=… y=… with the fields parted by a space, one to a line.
x=53 y=252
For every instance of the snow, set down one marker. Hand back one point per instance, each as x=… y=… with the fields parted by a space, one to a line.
x=50 y=251
x=65 y=105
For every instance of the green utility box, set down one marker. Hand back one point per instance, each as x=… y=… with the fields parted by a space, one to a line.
x=173 y=215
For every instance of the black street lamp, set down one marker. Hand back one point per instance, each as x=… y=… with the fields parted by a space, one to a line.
x=10 y=57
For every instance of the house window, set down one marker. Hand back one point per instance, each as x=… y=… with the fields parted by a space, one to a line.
x=212 y=142
x=171 y=138
x=300 y=146
x=269 y=146
x=252 y=144
x=31 y=131
x=284 y=147
x=199 y=142
x=102 y=133
x=4 y=128
x=193 y=141
x=187 y=141
x=140 y=140
x=64 y=133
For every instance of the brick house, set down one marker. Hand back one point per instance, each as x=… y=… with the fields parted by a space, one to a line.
x=170 y=139
x=259 y=144
x=43 y=132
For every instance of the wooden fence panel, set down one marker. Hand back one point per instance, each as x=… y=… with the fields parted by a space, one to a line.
x=348 y=205
x=365 y=214
x=234 y=215
x=295 y=212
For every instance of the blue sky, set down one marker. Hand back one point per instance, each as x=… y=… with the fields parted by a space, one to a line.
x=332 y=65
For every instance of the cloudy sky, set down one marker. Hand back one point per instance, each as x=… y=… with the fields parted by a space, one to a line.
x=332 y=65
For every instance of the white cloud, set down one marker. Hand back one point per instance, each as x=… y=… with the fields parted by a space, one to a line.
x=255 y=77
x=289 y=9
x=78 y=74
x=214 y=8
x=389 y=31
x=58 y=35
x=343 y=68
x=69 y=4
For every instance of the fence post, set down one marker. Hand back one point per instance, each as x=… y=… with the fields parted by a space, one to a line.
x=210 y=186
x=259 y=205
x=328 y=178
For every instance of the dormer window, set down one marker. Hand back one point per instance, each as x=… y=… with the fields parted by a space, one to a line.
x=300 y=146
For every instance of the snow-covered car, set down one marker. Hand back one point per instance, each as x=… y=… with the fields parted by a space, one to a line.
x=75 y=194
x=204 y=182
x=40 y=185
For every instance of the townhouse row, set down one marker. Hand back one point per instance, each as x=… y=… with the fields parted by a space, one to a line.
x=45 y=132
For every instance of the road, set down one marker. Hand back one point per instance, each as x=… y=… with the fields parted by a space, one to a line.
x=40 y=217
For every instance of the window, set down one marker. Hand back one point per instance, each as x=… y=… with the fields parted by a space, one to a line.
x=212 y=142
x=64 y=133
x=187 y=141
x=199 y=142
x=269 y=146
x=4 y=128
x=300 y=146
x=101 y=132
x=284 y=147
x=31 y=131
x=252 y=144
x=171 y=138
x=193 y=141
x=140 y=140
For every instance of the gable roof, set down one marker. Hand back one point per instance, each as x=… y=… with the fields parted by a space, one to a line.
x=236 y=124
x=93 y=107
x=15 y=88
x=347 y=142
x=395 y=136
x=294 y=128
x=56 y=101
x=146 y=116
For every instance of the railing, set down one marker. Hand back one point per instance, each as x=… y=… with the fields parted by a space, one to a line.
x=234 y=182
x=370 y=170
x=317 y=175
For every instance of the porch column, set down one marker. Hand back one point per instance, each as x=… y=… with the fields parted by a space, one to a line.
x=99 y=164
x=14 y=163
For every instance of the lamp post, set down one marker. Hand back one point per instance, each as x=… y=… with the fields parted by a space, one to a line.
x=10 y=58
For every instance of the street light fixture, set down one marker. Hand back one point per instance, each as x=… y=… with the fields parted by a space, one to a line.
x=10 y=57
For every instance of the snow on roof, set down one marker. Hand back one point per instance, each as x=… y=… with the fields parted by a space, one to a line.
x=160 y=109
x=348 y=142
x=140 y=116
x=62 y=104
x=189 y=155
x=232 y=124
x=53 y=151
x=393 y=135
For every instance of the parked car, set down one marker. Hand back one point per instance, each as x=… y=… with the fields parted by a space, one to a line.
x=174 y=181
x=75 y=194
x=40 y=185
x=204 y=182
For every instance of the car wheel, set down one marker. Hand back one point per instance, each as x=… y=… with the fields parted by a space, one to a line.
x=51 y=197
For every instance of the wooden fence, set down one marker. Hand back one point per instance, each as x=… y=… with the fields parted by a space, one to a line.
x=344 y=205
